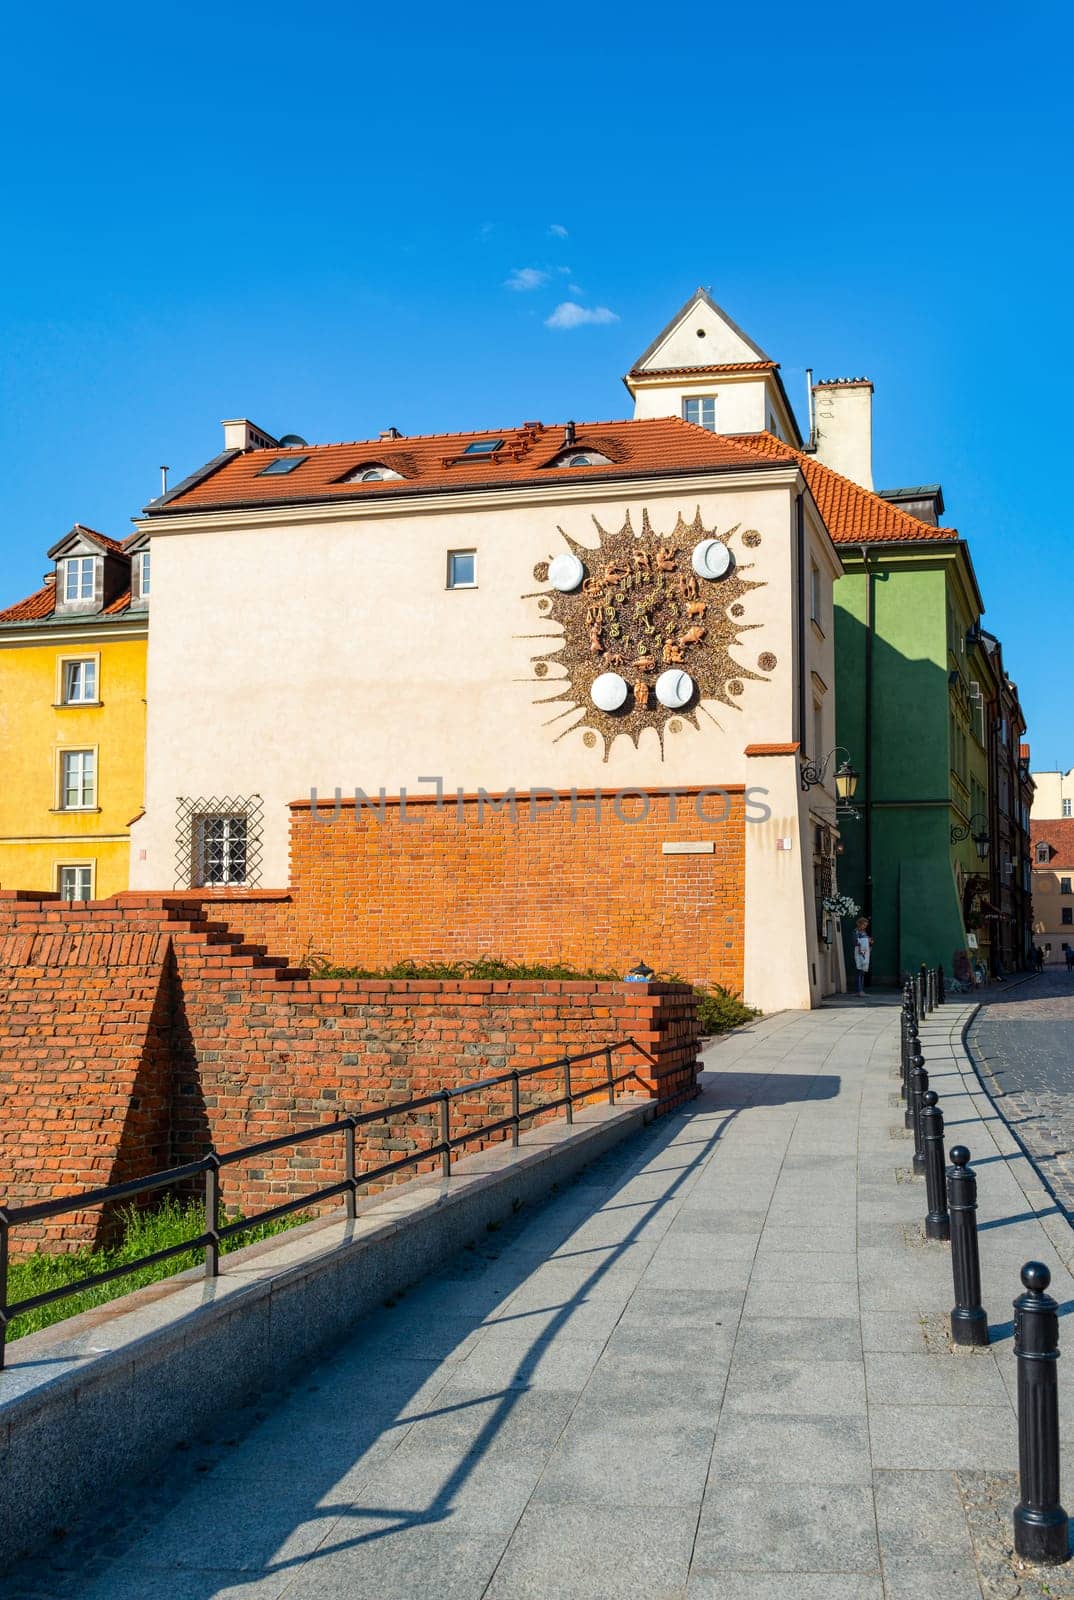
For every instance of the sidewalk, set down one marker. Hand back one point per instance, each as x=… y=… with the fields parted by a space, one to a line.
x=711 y=1369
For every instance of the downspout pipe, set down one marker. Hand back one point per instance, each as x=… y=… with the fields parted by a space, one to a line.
x=799 y=535
x=867 y=774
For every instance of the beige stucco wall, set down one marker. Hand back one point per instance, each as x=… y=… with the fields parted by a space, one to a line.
x=323 y=652
x=741 y=405
x=719 y=343
x=844 y=428
x=1052 y=788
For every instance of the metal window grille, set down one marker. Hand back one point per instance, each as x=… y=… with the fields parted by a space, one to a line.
x=218 y=841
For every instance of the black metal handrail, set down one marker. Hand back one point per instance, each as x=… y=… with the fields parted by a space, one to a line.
x=211 y=1164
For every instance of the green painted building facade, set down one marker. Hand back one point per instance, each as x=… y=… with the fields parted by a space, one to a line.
x=913 y=688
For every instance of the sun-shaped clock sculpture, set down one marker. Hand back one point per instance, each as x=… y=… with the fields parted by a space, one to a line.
x=648 y=622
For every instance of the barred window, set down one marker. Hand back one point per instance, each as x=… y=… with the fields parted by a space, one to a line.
x=218 y=842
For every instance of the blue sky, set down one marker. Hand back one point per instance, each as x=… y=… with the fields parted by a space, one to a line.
x=310 y=216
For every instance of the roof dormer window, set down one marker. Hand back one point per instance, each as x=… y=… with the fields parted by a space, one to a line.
x=282 y=464
x=374 y=472
x=582 y=458
x=79 y=578
x=483 y=447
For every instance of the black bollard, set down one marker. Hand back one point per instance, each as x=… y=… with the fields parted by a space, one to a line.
x=941 y=986
x=937 y=1222
x=913 y=1048
x=919 y=1082
x=969 y=1320
x=1040 y=1523
x=924 y=975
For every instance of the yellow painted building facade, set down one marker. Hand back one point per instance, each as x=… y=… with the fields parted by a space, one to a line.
x=72 y=721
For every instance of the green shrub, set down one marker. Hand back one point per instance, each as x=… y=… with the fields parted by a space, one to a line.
x=484 y=968
x=719 y=1009
x=143 y=1232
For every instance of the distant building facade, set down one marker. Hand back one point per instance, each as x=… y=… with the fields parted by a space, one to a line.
x=72 y=719
x=1053 y=885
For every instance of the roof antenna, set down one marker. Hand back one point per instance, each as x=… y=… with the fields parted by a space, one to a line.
x=164 y=479
x=568 y=434
x=809 y=403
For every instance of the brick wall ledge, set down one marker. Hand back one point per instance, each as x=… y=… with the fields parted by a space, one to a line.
x=101 y=1397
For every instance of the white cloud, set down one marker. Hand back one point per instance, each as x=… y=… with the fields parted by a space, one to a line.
x=577 y=289
x=524 y=278
x=572 y=315
x=566 y=271
x=558 y=231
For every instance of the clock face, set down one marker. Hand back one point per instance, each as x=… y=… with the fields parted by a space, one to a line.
x=646 y=628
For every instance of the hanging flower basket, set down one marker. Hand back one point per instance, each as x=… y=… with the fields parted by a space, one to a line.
x=840 y=905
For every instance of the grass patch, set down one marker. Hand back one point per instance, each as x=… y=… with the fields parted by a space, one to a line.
x=142 y=1232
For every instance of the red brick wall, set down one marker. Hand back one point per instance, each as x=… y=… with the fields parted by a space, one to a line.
x=575 y=883
x=134 y=1036
x=84 y=1080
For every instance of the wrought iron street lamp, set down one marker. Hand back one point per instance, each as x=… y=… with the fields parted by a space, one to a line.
x=978 y=827
x=846 y=778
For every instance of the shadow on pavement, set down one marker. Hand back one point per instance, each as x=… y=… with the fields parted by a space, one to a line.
x=328 y=1439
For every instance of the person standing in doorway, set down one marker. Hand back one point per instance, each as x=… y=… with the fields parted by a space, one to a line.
x=863 y=952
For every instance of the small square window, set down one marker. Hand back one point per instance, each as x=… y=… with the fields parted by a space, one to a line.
x=80 y=681
x=701 y=411
x=282 y=464
x=75 y=883
x=1066 y=916
x=462 y=569
x=1043 y=852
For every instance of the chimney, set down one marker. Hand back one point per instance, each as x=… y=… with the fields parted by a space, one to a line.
x=569 y=434
x=49 y=580
x=390 y=433
x=241 y=434
x=843 y=417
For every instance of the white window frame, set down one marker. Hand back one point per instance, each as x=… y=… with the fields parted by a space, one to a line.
x=1042 y=855
x=83 y=564
x=815 y=595
x=92 y=788
x=63 y=663
x=1068 y=808
x=145 y=575
x=89 y=867
x=701 y=401
x=452 y=583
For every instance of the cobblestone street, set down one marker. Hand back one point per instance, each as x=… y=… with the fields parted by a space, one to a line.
x=1023 y=1042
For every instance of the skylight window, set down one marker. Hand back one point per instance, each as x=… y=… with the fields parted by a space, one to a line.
x=282 y=464
x=482 y=447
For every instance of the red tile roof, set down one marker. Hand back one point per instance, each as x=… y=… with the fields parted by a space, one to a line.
x=721 y=366
x=438 y=461
x=41 y=605
x=851 y=514
x=1057 y=832
x=1023 y=752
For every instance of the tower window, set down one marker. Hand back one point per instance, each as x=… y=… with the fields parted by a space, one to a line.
x=701 y=411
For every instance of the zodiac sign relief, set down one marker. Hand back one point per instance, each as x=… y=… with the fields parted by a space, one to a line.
x=639 y=611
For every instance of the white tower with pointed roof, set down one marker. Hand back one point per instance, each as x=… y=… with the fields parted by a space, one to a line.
x=704 y=369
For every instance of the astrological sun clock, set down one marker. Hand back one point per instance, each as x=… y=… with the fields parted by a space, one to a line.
x=647 y=623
